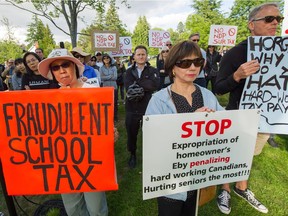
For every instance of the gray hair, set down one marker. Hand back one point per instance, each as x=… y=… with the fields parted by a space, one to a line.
x=256 y=10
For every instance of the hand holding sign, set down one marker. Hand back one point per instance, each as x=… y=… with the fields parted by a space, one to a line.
x=245 y=70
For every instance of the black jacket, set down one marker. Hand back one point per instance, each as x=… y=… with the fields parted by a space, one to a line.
x=149 y=80
x=225 y=83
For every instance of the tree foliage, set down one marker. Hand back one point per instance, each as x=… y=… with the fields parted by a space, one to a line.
x=141 y=32
x=38 y=33
x=9 y=49
x=71 y=11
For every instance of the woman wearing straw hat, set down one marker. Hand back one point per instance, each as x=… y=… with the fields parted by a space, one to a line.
x=61 y=66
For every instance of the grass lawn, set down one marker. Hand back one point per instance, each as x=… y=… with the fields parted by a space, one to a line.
x=268 y=180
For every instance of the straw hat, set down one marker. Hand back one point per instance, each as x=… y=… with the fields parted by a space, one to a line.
x=56 y=54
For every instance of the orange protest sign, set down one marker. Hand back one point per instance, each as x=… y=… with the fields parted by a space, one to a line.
x=57 y=141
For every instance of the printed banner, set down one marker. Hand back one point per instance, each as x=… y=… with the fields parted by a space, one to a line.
x=158 y=38
x=222 y=35
x=125 y=47
x=188 y=151
x=267 y=89
x=105 y=40
x=58 y=141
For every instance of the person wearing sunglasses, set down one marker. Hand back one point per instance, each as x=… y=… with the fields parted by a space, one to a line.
x=234 y=69
x=90 y=74
x=62 y=67
x=164 y=78
x=183 y=64
x=195 y=37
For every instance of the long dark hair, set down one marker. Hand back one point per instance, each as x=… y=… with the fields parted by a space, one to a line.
x=28 y=70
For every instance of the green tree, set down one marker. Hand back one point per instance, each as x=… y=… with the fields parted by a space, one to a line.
x=140 y=33
x=71 y=10
x=180 y=27
x=207 y=13
x=38 y=32
x=9 y=49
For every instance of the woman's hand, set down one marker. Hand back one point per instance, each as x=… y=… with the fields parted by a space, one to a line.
x=205 y=109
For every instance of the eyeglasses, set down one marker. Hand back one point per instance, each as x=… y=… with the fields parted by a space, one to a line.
x=163 y=51
x=168 y=44
x=269 y=19
x=64 y=65
x=186 y=63
x=106 y=58
x=93 y=60
x=78 y=56
x=196 y=40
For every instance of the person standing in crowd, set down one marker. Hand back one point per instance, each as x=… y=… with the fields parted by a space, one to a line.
x=120 y=77
x=60 y=63
x=92 y=63
x=131 y=60
x=109 y=76
x=99 y=61
x=195 y=37
x=39 y=52
x=234 y=69
x=183 y=64
x=164 y=78
x=89 y=72
x=7 y=73
x=211 y=68
x=32 y=79
x=169 y=44
x=146 y=78
x=18 y=73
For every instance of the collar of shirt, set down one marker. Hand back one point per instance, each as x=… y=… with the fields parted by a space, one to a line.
x=140 y=70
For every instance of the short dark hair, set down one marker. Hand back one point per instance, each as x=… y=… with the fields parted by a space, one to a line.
x=18 y=61
x=178 y=52
x=194 y=34
x=140 y=47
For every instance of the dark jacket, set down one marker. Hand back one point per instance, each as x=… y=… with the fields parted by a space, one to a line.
x=225 y=83
x=211 y=67
x=149 y=80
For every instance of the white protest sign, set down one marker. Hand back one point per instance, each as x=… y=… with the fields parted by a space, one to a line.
x=188 y=151
x=267 y=89
x=105 y=40
x=222 y=35
x=93 y=81
x=125 y=47
x=285 y=21
x=158 y=38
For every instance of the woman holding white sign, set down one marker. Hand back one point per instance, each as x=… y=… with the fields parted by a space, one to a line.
x=183 y=64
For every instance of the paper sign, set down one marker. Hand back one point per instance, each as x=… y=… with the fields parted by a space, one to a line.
x=158 y=38
x=125 y=47
x=195 y=150
x=222 y=35
x=105 y=40
x=58 y=141
x=267 y=88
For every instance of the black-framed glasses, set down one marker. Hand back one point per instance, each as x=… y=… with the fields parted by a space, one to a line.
x=63 y=65
x=196 y=40
x=269 y=19
x=186 y=63
x=163 y=51
x=168 y=44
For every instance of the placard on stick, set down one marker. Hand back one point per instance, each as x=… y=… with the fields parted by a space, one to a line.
x=58 y=141
x=197 y=150
x=105 y=40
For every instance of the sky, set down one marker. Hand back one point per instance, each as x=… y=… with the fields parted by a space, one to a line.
x=159 y=13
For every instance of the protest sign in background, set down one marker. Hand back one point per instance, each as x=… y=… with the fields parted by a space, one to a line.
x=125 y=47
x=183 y=152
x=285 y=21
x=222 y=35
x=57 y=141
x=158 y=38
x=267 y=89
x=105 y=40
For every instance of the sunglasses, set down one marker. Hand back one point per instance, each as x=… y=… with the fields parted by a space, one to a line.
x=269 y=19
x=78 y=56
x=168 y=44
x=64 y=65
x=196 y=40
x=165 y=51
x=93 y=60
x=186 y=63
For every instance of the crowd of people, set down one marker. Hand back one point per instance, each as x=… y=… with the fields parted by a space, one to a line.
x=178 y=84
